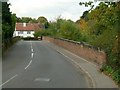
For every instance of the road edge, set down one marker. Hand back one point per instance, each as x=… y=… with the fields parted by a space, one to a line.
x=91 y=80
x=81 y=68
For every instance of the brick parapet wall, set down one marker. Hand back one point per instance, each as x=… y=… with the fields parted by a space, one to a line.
x=88 y=52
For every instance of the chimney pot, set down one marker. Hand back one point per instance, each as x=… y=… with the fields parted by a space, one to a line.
x=24 y=24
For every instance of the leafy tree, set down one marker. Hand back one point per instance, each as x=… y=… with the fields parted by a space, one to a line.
x=8 y=25
x=6 y=21
x=19 y=19
x=0 y=19
x=69 y=30
x=98 y=27
x=102 y=30
x=90 y=3
x=26 y=20
x=33 y=21
x=43 y=21
x=13 y=17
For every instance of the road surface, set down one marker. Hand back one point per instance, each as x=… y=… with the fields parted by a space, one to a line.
x=32 y=64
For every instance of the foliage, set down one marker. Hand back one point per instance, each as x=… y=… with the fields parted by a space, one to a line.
x=69 y=30
x=43 y=21
x=8 y=21
x=102 y=30
x=98 y=27
x=86 y=3
x=38 y=34
x=8 y=24
x=64 y=29
x=26 y=20
x=41 y=33
x=115 y=74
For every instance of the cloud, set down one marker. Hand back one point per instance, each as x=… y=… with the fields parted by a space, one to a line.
x=51 y=9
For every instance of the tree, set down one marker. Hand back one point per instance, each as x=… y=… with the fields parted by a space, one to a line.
x=14 y=19
x=104 y=32
x=19 y=19
x=8 y=25
x=43 y=21
x=33 y=21
x=26 y=20
x=6 y=21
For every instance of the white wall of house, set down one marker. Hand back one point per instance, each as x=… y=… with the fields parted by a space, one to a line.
x=24 y=33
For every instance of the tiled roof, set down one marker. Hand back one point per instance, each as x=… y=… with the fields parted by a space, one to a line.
x=28 y=27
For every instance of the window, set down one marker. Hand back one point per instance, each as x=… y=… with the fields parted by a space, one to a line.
x=28 y=32
x=20 y=32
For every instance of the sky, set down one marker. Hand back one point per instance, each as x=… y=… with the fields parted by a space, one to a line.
x=51 y=9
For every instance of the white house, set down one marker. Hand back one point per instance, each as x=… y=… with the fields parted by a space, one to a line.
x=26 y=29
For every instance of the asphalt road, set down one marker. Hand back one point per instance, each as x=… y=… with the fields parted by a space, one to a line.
x=32 y=64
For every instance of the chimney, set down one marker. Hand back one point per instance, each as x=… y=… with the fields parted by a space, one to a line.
x=24 y=24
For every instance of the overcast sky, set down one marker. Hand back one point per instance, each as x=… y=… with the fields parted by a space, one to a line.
x=51 y=9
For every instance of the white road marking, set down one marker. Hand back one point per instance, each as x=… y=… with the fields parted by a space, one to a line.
x=32 y=55
x=82 y=58
x=42 y=79
x=28 y=64
x=93 y=82
x=8 y=80
x=31 y=50
x=77 y=56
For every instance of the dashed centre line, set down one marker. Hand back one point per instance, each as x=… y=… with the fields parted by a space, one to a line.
x=32 y=55
x=28 y=64
x=32 y=50
x=25 y=67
